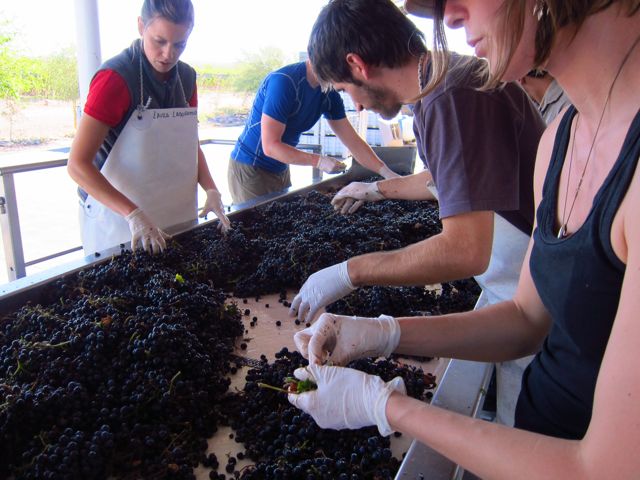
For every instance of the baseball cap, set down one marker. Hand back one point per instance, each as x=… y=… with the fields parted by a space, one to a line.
x=420 y=8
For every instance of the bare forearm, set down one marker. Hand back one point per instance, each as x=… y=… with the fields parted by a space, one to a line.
x=369 y=160
x=364 y=155
x=91 y=134
x=292 y=156
x=495 y=333
x=410 y=187
x=360 y=149
x=96 y=185
x=430 y=261
x=489 y=450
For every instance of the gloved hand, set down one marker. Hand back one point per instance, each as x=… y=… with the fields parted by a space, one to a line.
x=321 y=288
x=351 y=197
x=143 y=230
x=346 y=398
x=341 y=339
x=329 y=164
x=387 y=173
x=213 y=203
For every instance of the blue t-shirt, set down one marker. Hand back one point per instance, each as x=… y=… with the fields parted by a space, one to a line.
x=286 y=96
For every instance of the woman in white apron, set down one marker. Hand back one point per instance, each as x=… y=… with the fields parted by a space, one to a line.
x=136 y=156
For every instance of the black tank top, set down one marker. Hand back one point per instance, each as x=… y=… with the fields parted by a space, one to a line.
x=579 y=279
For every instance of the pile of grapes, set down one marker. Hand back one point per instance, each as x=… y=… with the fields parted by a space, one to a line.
x=278 y=245
x=121 y=370
x=122 y=375
x=286 y=443
x=457 y=296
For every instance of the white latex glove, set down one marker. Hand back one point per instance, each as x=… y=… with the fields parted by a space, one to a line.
x=346 y=398
x=387 y=173
x=350 y=198
x=329 y=164
x=143 y=230
x=341 y=339
x=213 y=203
x=321 y=288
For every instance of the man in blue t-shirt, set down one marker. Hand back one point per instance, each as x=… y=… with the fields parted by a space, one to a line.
x=289 y=102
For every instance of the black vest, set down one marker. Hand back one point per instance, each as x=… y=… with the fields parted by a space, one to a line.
x=163 y=94
x=579 y=280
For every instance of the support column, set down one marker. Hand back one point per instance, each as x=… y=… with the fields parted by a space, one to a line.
x=88 y=44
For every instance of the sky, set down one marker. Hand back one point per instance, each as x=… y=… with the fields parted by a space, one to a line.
x=224 y=31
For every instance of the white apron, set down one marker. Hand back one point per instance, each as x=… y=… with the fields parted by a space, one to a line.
x=154 y=163
x=498 y=284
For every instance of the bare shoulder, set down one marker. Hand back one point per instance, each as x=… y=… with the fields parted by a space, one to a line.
x=626 y=228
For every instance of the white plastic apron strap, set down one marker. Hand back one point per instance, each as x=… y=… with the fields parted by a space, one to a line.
x=154 y=162
x=509 y=247
x=431 y=186
x=498 y=284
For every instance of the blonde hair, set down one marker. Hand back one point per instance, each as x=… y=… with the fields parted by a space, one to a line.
x=552 y=15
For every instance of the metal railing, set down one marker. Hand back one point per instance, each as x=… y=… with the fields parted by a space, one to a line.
x=10 y=219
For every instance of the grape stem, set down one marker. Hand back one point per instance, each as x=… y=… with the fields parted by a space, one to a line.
x=277 y=389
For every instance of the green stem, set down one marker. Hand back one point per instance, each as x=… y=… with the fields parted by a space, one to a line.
x=49 y=345
x=173 y=379
x=277 y=389
x=20 y=368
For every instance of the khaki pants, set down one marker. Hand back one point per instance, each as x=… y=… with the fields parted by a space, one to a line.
x=247 y=182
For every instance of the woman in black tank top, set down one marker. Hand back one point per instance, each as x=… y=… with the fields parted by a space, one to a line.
x=578 y=302
x=579 y=295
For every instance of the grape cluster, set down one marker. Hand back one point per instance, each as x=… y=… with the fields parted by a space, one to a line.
x=286 y=443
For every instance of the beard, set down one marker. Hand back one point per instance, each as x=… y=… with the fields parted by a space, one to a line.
x=381 y=102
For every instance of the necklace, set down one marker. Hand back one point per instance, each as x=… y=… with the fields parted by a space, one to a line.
x=420 y=63
x=144 y=106
x=562 y=232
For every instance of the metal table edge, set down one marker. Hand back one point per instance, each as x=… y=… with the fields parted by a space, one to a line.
x=462 y=390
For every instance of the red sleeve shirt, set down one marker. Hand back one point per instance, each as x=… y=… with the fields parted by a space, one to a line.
x=108 y=100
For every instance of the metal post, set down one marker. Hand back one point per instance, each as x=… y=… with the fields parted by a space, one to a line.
x=10 y=223
x=88 y=43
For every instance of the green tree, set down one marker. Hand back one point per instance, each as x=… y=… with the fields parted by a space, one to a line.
x=29 y=76
x=54 y=77
x=255 y=67
x=9 y=88
x=215 y=78
x=61 y=76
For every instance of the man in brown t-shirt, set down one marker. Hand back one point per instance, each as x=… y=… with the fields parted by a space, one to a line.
x=479 y=149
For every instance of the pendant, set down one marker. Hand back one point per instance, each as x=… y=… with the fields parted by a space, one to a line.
x=562 y=232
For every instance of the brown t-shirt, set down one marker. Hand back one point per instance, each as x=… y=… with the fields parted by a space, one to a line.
x=480 y=147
